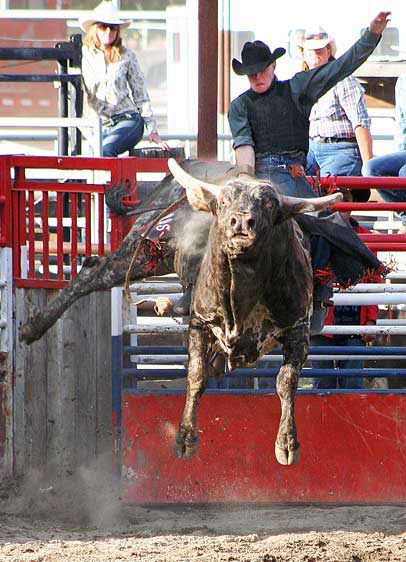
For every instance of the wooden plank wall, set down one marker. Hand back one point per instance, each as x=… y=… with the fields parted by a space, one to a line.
x=62 y=395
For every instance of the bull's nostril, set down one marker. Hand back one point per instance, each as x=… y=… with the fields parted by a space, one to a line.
x=233 y=221
x=250 y=223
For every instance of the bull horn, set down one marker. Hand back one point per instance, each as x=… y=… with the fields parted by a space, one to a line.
x=312 y=204
x=188 y=181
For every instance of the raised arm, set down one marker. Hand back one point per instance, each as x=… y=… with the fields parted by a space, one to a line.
x=316 y=82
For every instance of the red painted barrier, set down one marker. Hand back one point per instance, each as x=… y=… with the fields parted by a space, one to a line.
x=353 y=450
x=29 y=233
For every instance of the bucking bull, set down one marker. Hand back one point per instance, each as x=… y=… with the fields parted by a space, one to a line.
x=253 y=288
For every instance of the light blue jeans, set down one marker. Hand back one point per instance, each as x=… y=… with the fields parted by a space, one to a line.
x=123 y=135
x=338 y=381
x=335 y=158
x=389 y=165
x=275 y=169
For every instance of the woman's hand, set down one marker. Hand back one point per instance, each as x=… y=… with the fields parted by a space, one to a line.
x=154 y=137
x=379 y=23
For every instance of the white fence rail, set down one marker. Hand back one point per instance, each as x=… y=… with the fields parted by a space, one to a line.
x=8 y=126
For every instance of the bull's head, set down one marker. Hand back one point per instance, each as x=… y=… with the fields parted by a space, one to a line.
x=246 y=208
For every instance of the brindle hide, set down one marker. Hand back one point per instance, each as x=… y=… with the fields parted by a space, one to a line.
x=253 y=291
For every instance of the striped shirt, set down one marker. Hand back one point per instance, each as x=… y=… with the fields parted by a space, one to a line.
x=340 y=111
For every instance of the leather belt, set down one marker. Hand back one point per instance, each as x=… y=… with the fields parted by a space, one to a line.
x=333 y=139
x=114 y=119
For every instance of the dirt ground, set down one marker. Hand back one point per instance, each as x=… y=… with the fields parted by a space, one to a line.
x=82 y=519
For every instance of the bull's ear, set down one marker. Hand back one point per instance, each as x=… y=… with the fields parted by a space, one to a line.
x=198 y=192
x=298 y=205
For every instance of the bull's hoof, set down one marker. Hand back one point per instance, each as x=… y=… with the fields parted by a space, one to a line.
x=185 y=445
x=286 y=457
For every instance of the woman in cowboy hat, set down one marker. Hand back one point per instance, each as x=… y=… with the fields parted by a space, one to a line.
x=340 y=136
x=114 y=83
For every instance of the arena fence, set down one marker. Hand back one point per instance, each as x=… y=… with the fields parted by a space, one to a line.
x=238 y=425
x=55 y=395
x=352 y=441
x=235 y=461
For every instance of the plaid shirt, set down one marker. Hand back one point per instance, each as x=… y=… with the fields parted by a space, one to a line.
x=117 y=87
x=340 y=111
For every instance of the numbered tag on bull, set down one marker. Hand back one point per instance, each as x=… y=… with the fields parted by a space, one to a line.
x=163 y=229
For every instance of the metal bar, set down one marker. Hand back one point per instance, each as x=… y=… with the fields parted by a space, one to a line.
x=356 y=182
x=31 y=235
x=314 y=349
x=266 y=391
x=74 y=187
x=63 y=78
x=370 y=206
x=45 y=234
x=74 y=234
x=63 y=111
x=397 y=238
x=391 y=247
x=376 y=288
x=270 y=373
x=88 y=224
x=59 y=234
x=147 y=329
x=343 y=356
x=38 y=53
x=157 y=287
x=369 y=298
x=101 y=223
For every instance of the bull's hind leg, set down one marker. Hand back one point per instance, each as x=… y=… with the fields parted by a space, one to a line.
x=186 y=440
x=296 y=348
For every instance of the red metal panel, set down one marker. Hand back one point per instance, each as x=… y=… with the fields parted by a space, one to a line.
x=370 y=206
x=359 y=182
x=59 y=234
x=45 y=234
x=353 y=450
x=74 y=233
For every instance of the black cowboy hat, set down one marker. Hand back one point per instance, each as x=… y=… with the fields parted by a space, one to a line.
x=256 y=56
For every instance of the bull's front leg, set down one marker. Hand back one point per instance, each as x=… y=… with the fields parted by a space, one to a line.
x=296 y=349
x=186 y=439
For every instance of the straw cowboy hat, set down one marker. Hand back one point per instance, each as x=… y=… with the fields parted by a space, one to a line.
x=316 y=38
x=255 y=58
x=105 y=12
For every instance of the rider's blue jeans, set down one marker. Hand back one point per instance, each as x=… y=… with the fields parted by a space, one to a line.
x=275 y=169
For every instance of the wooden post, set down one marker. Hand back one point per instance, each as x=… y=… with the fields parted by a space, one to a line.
x=208 y=56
